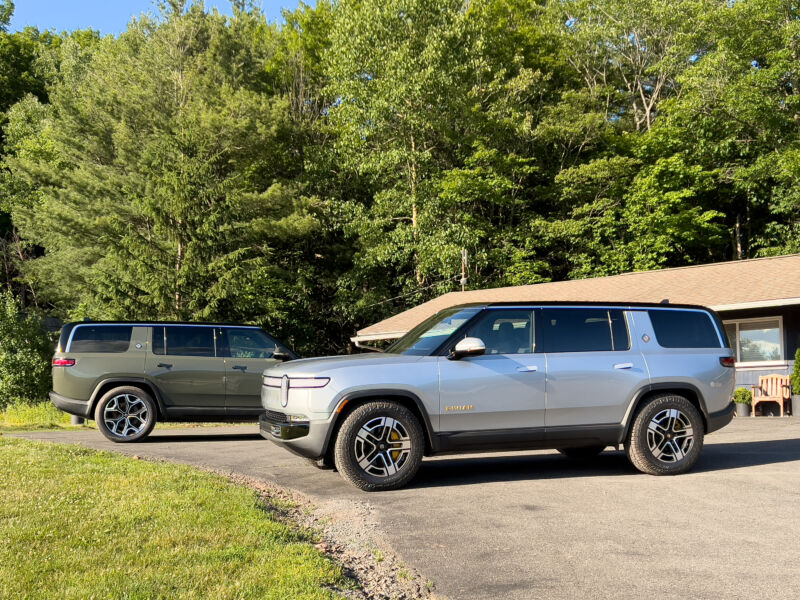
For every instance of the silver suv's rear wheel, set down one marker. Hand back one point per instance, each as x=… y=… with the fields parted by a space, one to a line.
x=379 y=446
x=125 y=414
x=666 y=436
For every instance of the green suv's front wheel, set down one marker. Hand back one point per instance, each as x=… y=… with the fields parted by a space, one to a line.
x=379 y=446
x=125 y=414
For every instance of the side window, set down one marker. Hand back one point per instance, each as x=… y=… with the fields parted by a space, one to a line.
x=505 y=331
x=101 y=338
x=684 y=329
x=584 y=330
x=248 y=343
x=178 y=340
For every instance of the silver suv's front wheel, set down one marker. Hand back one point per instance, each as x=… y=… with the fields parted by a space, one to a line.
x=125 y=414
x=666 y=436
x=379 y=446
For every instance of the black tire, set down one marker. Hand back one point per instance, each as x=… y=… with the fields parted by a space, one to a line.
x=131 y=419
x=666 y=448
x=582 y=452
x=349 y=447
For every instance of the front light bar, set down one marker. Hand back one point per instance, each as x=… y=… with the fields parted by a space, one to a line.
x=297 y=382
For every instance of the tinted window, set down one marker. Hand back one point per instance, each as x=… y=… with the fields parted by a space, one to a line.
x=583 y=330
x=180 y=340
x=505 y=331
x=684 y=329
x=249 y=343
x=101 y=338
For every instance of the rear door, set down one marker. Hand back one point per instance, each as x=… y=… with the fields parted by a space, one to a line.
x=594 y=367
x=185 y=367
x=247 y=351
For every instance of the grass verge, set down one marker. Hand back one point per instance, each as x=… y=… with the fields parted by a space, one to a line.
x=77 y=523
x=44 y=415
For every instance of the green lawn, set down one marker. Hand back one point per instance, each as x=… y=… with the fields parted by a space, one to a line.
x=44 y=415
x=77 y=523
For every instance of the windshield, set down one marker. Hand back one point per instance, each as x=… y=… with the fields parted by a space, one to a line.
x=429 y=335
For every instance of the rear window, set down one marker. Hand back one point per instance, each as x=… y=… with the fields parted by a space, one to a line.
x=584 y=330
x=101 y=338
x=684 y=329
x=177 y=340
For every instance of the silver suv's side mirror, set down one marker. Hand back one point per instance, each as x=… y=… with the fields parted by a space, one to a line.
x=470 y=346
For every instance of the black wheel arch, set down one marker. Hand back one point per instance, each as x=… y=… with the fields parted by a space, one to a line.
x=689 y=391
x=114 y=382
x=349 y=402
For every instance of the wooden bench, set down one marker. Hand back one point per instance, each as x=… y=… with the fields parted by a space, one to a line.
x=771 y=388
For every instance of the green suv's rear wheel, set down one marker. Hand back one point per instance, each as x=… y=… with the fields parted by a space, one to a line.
x=379 y=446
x=125 y=414
x=666 y=436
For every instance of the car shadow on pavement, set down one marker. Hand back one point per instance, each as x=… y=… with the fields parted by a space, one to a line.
x=156 y=438
x=485 y=469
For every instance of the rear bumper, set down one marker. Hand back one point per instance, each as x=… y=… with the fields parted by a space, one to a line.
x=718 y=420
x=306 y=438
x=80 y=408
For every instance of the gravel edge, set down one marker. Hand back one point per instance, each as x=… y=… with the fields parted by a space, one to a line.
x=347 y=533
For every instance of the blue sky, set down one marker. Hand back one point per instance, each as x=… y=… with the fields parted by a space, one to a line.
x=108 y=16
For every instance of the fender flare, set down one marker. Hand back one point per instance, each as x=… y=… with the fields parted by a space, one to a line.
x=129 y=380
x=654 y=387
x=379 y=393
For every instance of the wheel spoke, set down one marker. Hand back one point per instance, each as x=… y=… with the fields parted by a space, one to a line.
x=125 y=415
x=382 y=446
x=670 y=435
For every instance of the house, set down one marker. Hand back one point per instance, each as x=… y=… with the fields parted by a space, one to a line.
x=758 y=300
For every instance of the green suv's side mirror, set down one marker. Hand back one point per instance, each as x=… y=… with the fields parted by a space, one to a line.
x=470 y=346
x=279 y=355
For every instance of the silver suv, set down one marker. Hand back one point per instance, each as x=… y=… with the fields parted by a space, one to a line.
x=574 y=377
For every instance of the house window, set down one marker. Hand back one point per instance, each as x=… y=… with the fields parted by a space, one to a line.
x=756 y=340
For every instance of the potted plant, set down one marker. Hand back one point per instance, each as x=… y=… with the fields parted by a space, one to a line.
x=795 y=379
x=743 y=399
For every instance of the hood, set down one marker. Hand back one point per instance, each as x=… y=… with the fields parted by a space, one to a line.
x=327 y=364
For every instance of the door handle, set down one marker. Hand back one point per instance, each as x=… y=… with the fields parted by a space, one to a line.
x=164 y=365
x=528 y=369
x=241 y=368
x=623 y=366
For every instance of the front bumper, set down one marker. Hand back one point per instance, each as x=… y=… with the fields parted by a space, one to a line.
x=307 y=439
x=718 y=420
x=80 y=408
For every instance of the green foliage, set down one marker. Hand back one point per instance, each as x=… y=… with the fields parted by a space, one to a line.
x=317 y=176
x=795 y=377
x=25 y=352
x=743 y=396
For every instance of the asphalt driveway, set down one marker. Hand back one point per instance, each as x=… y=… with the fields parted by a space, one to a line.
x=536 y=525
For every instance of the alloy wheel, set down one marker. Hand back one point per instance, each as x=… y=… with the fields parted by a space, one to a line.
x=382 y=446
x=126 y=415
x=670 y=435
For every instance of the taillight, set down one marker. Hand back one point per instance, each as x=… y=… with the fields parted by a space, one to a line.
x=727 y=361
x=63 y=362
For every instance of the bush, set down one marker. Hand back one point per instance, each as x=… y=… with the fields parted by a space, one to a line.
x=25 y=352
x=795 y=378
x=743 y=396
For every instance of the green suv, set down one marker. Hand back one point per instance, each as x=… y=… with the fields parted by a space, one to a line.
x=128 y=375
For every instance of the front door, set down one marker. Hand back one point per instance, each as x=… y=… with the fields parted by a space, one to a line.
x=502 y=390
x=593 y=366
x=184 y=366
x=248 y=351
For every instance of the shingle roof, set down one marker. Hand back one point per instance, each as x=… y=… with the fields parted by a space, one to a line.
x=727 y=285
